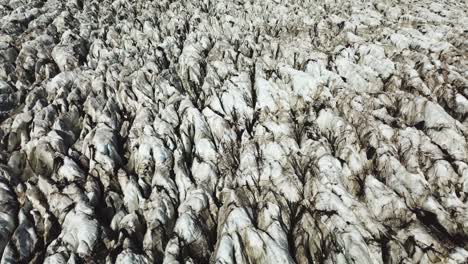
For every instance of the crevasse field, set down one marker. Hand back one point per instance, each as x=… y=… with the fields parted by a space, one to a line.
x=233 y=131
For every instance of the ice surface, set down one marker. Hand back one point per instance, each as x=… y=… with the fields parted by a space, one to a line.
x=275 y=131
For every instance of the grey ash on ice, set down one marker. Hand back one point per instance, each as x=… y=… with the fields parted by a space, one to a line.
x=138 y=131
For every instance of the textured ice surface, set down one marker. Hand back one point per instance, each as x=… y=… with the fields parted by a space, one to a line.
x=276 y=131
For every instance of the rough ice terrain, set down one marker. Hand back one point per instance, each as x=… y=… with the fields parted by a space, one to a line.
x=234 y=131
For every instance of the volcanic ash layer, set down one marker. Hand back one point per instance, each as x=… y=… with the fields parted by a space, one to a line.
x=272 y=131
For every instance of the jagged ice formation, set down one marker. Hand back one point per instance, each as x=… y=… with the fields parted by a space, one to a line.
x=276 y=131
